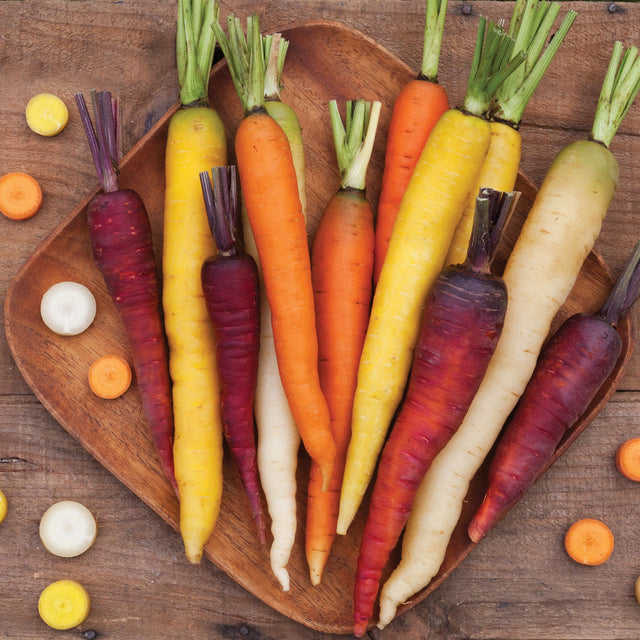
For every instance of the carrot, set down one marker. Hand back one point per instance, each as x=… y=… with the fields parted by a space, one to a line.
x=230 y=288
x=570 y=370
x=270 y=189
x=461 y=324
x=530 y=26
x=589 y=541
x=557 y=236
x=278 y=437
x=430 y=211
x=416 y=110
x=341 y=269
x=122 y=245
x=46 y=114
x=628 y=459
x=196 y=142
x=20 y=195
x=109 y=376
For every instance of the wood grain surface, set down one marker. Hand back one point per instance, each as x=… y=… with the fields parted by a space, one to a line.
x=518 y=583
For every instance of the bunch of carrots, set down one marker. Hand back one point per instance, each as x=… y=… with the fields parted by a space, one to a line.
x=388 y=348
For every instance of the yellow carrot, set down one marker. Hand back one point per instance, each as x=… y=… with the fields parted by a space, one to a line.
x=428 y=215
x=195 y=143
x=530 y=25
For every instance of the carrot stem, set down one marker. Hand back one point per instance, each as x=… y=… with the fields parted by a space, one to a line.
x=625 y=291
x=436 y=11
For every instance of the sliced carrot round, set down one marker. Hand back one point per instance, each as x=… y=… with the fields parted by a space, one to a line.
x=589 y=541
x=628 y=459
x=3 y=506
x=46 y=114
x=20 y=195
x=109 y=376
x=64 y=604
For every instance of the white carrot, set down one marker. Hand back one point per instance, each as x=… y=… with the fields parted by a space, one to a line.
x=559 y=233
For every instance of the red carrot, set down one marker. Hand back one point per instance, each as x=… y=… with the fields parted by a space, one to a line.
x=569 y=372
x=231 y=291
x=461 y=324
x=120 y=235
x=416 y=110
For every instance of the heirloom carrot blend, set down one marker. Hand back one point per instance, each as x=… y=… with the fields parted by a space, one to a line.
x=530 y=26
x=416 y=110
x=195 y=142
x=461 y=324
x=429 y=213
x=231 y=292
x=270 y=189
x=570 y=370
x=557 y=236
x=121 y=242
x=341 y=269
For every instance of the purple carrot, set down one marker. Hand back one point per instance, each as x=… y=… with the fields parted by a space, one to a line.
x=121 y=241
x=231 y=290
x=461 y=324
x=570 y=371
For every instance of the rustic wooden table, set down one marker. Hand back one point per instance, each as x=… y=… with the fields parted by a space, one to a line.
x=518 y=584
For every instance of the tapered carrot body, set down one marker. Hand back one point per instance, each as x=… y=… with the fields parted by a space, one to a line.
x=416 y=110
x=122 y=246
x=461 y=324
x=196 y=142
x=231 y=291
x=342 y=265
x=571 y=368
x=264 y=162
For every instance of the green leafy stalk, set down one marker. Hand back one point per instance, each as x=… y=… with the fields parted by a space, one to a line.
x=354 y=140
x=530 y=26
x=436 y=12
x=491 y=65
x=619 y=89
x=195 y=44
x=275 y=51
x=245 y=58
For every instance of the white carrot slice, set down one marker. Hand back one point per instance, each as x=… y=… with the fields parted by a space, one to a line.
x=68 y=308
x=67 y=529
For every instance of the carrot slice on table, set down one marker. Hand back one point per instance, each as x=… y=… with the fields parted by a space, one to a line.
x=20 y=195
x=109 y=376
x=628 y=459
x=46 y=114
x=589 y=541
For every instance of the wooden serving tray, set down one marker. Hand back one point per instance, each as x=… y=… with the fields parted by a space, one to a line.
x=325 y=61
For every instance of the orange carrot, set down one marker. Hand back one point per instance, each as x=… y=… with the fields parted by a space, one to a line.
x=341 y=269
x=20 y=195
x=589 y=541
x=416 y=110
x=628 y=459
x=109 y=376
x=270 y=188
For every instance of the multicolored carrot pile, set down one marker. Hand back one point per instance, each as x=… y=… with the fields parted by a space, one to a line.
x=341 y=269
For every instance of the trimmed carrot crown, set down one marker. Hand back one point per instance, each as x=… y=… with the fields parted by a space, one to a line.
x=619 y=90
x=195 y=44
x=354 y=141
x=530 y=26
x=436 y=12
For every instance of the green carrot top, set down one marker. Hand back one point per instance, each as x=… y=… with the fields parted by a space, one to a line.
x=530 y=26
x=354 y=140
x=436 y=11
x=492 y=63
x=245 y=58
x=619 y=89
x=195 y=44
